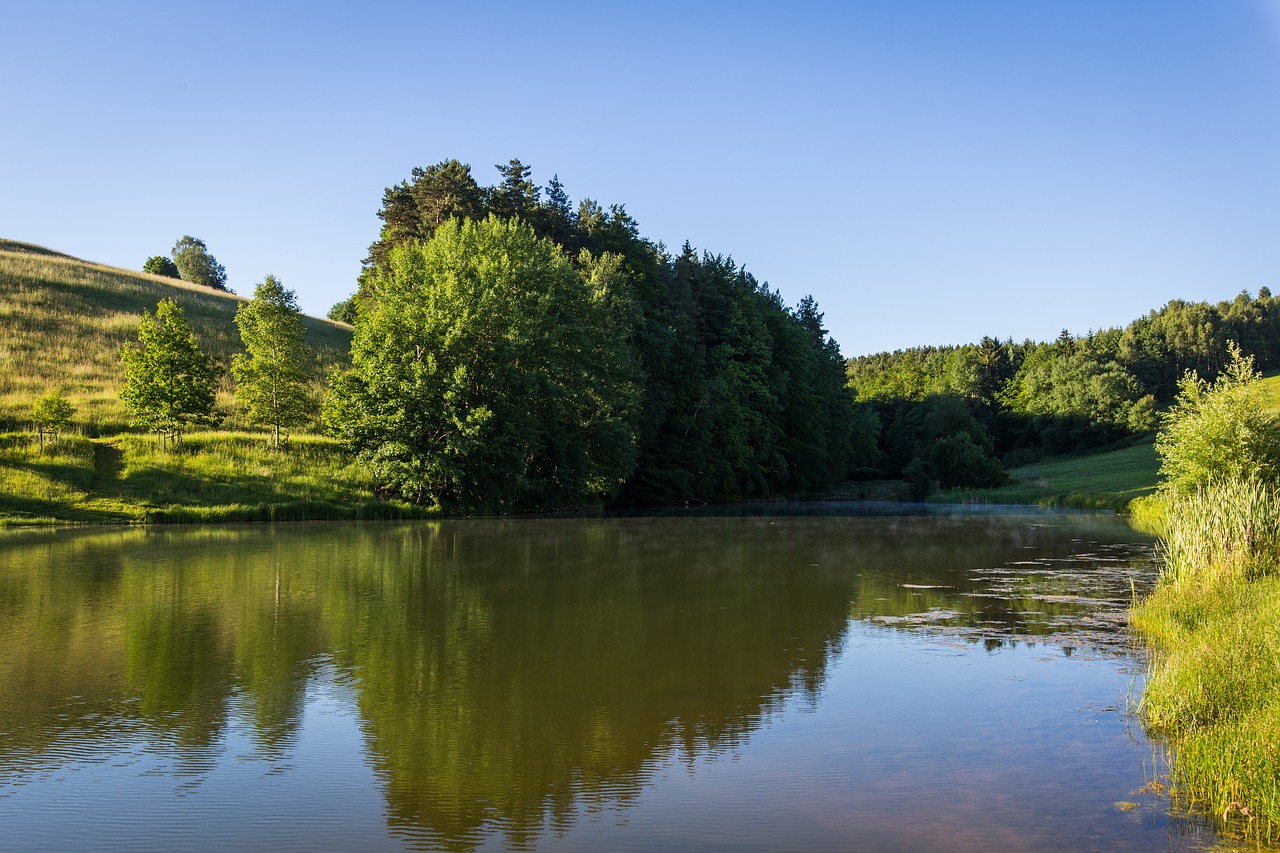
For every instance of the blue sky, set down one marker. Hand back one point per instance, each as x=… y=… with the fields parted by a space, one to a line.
x=931 y=171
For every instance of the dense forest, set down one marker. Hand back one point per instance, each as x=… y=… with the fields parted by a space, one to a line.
x=947 y=414
x=513 y=351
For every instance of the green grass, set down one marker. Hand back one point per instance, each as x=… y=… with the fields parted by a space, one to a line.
x=1108 y=480
x=1213 y=693
x=63 y=323
x=210 y=477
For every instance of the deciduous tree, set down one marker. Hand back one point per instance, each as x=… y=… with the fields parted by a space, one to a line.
x=169 y=382
x=51 y=413
x=490 y=373
x=161 y=265
x=270 y=380
x=195 y=264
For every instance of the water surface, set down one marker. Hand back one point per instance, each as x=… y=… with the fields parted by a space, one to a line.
x=777 y=681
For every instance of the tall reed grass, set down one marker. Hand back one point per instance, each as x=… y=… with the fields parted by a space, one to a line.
x=1213 y=691
x=1223 y=532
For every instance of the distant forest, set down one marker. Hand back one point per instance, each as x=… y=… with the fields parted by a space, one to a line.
x=718 y=390
x=1018 y=401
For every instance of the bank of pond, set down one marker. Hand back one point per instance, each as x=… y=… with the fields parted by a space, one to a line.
x=800 y=676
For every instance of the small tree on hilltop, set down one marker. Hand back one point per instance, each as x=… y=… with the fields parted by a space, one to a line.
x=270 y=381
x=51 y=413
x=195 y=264
x=161 y=265
x=1219 y=430
x=169 y=382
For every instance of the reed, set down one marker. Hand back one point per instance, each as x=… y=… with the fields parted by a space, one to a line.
x=1213 y=690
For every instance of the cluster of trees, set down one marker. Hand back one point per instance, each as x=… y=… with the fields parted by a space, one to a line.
x=190 y=261
x=514 y=351
x=171 y=384
x=1073 y=393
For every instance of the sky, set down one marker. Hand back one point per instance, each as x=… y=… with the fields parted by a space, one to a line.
x=930 y=171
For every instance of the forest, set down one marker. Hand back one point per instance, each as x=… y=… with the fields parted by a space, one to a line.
x=513 y=351
x=1015 y=402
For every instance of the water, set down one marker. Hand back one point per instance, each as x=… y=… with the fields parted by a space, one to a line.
x=808 y=679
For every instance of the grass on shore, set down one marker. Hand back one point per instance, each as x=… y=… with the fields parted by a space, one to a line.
x=209 y=477
x=1107 y=480
x=1213 y=692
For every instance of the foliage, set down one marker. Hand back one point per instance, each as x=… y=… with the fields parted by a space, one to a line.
x=271 y=382
x=169 y=382
x=1219 y=431
x=343 y=311
x=196 y=265
x=490 y=373
x=51 y=413
x=161 y=265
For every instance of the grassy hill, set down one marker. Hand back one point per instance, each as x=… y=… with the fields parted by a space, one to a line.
x=63 y=322
x=1106 y=480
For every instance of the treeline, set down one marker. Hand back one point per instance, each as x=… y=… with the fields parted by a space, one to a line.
x=514 y=351
x=1017 y=401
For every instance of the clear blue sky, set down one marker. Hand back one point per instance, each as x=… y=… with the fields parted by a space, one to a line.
x=931 y=171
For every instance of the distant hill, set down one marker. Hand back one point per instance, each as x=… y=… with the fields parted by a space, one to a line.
x=63 y=322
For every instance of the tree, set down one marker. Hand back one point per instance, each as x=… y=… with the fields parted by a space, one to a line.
x=51 y=413
x=516 y=195
x=270 y=380
x=196 y=265
x=445 y=191
x=161 y=265
x=169 y=382
x=1219 y=431
x=344 y=311
x=490 y=373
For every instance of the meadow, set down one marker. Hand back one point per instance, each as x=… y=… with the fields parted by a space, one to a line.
x=63 y=323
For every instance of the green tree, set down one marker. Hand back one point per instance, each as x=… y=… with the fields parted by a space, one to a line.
x=270 y=381
x=489 y=373
x=161 y=265
x=344 y=311
x=516 y=195
x=169 y=382
x=51 y=413
x=1220 y=430
x=196 y=265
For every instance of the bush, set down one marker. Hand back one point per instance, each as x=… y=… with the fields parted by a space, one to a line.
x=1219 y=431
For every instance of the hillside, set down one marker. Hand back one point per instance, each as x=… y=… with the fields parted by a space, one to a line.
x=63 y=322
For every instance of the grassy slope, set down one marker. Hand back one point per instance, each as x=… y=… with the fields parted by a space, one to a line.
x=1107 y=480
x=63 y=323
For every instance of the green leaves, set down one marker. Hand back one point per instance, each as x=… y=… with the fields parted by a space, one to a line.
x=51 y=413
x=161 y=265
x=488 y=374
x=1219 y=431
x=270 y=381
x=195 y=264
x=169 y=382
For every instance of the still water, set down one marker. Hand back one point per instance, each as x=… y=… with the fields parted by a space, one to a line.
x=804 y=680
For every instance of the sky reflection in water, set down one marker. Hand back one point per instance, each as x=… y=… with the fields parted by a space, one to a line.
x=768 y=681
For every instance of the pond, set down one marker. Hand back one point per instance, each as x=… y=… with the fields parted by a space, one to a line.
x=814 y=677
